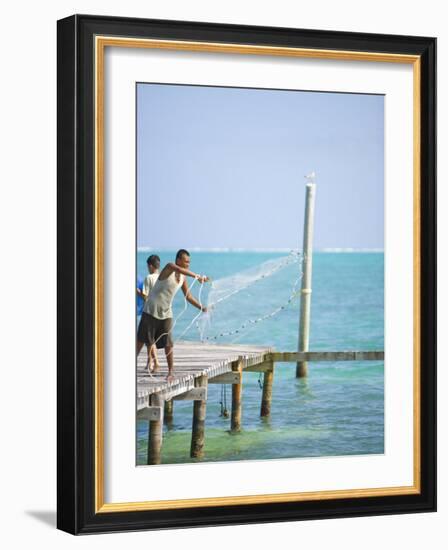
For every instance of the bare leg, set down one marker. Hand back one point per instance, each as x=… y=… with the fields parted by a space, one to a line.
x=170 y=360
x=148 y=363
x=155 y=358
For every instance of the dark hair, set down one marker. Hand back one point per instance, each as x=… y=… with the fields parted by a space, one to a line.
x=153 y=260
x=181 y=252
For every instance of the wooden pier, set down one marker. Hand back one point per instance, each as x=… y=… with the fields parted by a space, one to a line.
x=198 y=364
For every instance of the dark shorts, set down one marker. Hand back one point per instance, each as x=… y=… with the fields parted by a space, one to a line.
x=151 y=330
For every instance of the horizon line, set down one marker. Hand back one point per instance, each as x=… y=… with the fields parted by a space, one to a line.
x=281 y=249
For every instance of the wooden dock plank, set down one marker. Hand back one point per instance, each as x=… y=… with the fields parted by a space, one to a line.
x=191 y=361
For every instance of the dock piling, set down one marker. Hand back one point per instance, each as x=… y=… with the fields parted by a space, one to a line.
x=168 y=412
x=198 y=427
x=266 y=399
x=237 y=390
x=155 y=432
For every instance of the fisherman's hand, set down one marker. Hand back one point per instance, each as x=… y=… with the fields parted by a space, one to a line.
x=203 y=278
x=204 y=309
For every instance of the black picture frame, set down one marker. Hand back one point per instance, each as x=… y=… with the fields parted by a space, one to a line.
x=76 y=472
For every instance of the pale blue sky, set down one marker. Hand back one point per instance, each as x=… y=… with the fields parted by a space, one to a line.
x=225 y=167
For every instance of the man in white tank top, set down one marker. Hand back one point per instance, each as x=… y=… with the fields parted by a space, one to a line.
x=156 y=323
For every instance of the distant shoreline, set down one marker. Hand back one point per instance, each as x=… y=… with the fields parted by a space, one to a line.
x=264 y=250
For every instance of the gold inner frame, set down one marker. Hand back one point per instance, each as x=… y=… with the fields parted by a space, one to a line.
x=101 y=42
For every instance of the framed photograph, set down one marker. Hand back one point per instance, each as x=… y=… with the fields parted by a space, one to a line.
x=246 y=274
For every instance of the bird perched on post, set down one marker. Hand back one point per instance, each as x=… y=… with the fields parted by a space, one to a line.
x=310 y=177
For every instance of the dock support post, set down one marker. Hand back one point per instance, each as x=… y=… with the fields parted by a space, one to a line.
x=155 y=433
x=266 y=398
x=237 y=389
x=168 y=411
x=198 y=428
x=305 y=297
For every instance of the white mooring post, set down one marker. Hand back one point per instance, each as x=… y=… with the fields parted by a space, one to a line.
x=305 y=296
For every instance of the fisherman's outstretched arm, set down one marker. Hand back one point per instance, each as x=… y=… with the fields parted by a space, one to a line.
x=174 y=267
x=191 y=299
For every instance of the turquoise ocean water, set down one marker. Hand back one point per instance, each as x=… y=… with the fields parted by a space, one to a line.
x=338 y=409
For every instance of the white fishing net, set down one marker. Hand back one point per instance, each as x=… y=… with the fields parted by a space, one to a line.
x=238 y=302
